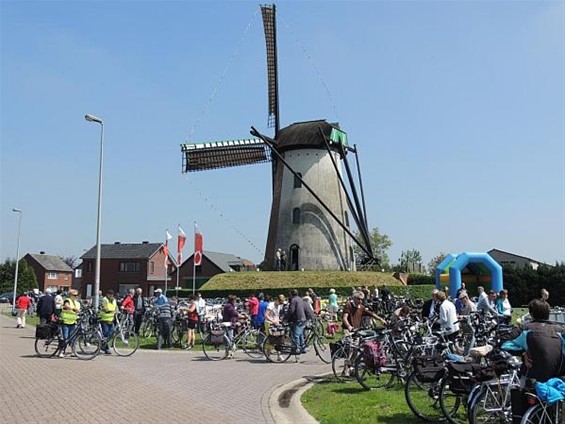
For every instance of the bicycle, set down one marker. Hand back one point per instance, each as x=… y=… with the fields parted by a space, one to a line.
x=216 y=345
x=124 y=340
x=278 y=346
x=85 y=344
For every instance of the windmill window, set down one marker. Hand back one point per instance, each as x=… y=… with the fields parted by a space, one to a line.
x=297 y=182
x=346 y=216
x=296 y=216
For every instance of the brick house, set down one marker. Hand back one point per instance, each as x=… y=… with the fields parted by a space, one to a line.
x=125 y=266
x=213 y=263
x=50 y=271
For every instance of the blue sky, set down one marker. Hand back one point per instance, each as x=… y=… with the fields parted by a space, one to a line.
x=457 y=109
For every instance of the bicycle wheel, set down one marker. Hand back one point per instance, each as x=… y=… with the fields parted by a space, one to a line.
x=452 y=404
x=251 y=344
x=423 y=398
x=343 y=364
x=277 y=349
x=125 y=343
x=87 y=345
x=47 y=348
x=537 y=414
x=487 y=407
x=147 y=329
x=322 y=348
x=180 y=336
x=371 y=379
x=216 y=351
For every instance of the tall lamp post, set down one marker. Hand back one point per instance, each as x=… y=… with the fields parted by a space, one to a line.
x=17 y=258
x=92 y=118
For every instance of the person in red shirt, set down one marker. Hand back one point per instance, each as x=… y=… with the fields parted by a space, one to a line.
x=253 y=305
x=22 y=304
x=127 y=303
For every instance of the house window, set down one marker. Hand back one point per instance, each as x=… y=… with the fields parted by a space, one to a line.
x=152 y=267
x=89 y=266
x=52 y=276
x=297 y=182
x=296 y=216
x=129 y=266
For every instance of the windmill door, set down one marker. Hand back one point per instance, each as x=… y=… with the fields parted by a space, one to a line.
x=293 y=263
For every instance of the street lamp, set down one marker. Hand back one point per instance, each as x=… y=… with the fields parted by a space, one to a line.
x=92 y=118
x=17 y=259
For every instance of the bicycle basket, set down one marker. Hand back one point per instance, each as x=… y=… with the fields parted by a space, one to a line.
x=276 y=331
x=429 y=369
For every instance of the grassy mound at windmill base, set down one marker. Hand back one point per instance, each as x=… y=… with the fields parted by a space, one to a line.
x=243 y=283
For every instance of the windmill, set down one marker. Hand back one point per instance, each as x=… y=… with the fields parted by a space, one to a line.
x=311 y=204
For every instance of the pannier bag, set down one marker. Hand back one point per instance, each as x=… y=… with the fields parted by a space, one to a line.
x=216 y=336
x=336 y=348
x=374 y=354
x=45 y=331
x=462 y=377
x=429 y=369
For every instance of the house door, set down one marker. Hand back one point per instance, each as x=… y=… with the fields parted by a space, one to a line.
x=294 y=250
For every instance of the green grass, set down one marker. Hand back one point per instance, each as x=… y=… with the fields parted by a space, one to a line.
x=335 y=403
x=286 y=279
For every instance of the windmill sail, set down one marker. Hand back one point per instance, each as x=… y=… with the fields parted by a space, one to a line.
x=224 y=154
x=269 y=24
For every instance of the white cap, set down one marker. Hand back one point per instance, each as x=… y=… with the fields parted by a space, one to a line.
x=158 y=291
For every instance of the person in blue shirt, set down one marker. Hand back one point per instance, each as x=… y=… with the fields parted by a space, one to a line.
x=160 y=298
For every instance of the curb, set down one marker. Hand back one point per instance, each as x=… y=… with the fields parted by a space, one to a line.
x=285 y=405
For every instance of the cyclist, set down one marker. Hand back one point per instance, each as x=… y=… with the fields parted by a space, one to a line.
x=69 y=315
x=230 y=316
x=354 y=312
x=107 y=314
x=191 y=321
x=542 y=344
x=296 y=316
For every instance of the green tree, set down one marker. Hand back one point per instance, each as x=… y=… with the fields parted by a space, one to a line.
x=26 y=276
x=410 y=261
x=434 y=262
x=380 y=244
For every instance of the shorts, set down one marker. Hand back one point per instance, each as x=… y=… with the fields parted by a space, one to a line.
x=192 y=324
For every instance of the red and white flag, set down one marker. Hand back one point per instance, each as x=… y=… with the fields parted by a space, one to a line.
x=198 y=242
x=165 y=248
x=180 y=244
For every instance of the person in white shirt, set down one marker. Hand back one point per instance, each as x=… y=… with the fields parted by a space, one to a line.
x=273 y=312
x=201 y=311
x=447 y=316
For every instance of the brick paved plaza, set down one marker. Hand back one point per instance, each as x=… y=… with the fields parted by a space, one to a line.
x=150 y=386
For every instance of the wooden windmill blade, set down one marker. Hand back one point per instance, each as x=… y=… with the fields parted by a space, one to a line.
x=224 y=154
x=270 y=26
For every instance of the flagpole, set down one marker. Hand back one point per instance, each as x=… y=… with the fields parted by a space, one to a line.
x=194 y=265
x=166 y=260
x=178 y=263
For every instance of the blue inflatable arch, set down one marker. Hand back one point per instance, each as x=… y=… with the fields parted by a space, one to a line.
x=461 y=261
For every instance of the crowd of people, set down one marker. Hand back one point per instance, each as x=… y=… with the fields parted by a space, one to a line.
x=540 y=342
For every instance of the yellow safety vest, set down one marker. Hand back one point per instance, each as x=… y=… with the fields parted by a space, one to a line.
x=68 y=316
x=111 y=306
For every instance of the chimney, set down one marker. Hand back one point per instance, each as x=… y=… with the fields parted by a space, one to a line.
x=42 y=252
x=117 y=242
x=144 y=242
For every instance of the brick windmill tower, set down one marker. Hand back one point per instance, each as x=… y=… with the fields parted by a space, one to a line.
x=312 y=206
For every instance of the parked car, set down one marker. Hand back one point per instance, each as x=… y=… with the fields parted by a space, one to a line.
x=7 y=297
